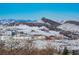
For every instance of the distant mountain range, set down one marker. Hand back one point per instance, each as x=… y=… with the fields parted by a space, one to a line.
x=51 y=24
x=21 y=20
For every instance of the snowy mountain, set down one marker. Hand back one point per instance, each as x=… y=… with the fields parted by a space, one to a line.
x=51 y=22
x=40 y=21
x=69 y=27
x=72 y=26
x=73 y=22
x=7 y=21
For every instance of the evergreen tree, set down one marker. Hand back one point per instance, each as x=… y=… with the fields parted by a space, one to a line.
x=65 y=52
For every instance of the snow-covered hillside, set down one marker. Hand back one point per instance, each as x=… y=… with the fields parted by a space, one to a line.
x=37 y=30
x=69 y=27
x=40 y=21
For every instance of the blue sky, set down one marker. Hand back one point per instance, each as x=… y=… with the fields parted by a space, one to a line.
x=35 y=11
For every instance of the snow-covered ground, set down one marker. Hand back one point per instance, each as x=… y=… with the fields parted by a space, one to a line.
x=37 y=30
x=69 y=27
x=41 y=44
x=58 y=44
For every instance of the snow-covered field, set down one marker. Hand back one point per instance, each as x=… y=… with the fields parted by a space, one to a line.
x=58 y=44
x=43 y=44
x=17 y=41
